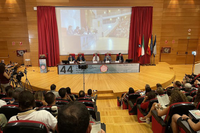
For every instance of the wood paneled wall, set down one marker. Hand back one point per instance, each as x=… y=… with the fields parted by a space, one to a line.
x=13 y=28
x=171 y=21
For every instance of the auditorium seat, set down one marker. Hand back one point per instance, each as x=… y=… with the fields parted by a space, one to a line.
x=141 y=112
x=85 y=98
x=7 y=99
x=38 y=103
x=2 y=95
x=25 y=126
x=163 y=126
x=198 y=106
x=92 y=112
x=73 y=55
x=61 y=102
x=48 y=108
x=194 y=97
x=94 y=54
x=81 y=54
x=108 y=54
x=184 y=127
x=133 y=107
x=193 y=93
x=87 y=103
x=9 y=110
x=131 y=100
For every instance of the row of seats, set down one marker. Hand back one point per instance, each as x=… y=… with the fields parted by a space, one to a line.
x=158 y=124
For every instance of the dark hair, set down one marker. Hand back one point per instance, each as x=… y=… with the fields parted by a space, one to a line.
x=81 y=93
x=169 y=92
x=68 y=90
x=131 y=90
x=16 y=94
x=7 y=88
x=158 y=85
x=73 y=118
x=89 y=92
x=177 y=96
x=39 y=95
x=26 y=100
x=160 y=91
x=9 y=93
x=147 y=89
x=53 y=87
x=2 y=68
x=62 y=92
x=151 y=95
x=49 y=98
x=119 y=54
x=178 y=83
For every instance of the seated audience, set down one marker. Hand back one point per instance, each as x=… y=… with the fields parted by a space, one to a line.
x=16 y=93
x=80 y=58
x=95 y=58
x=176 y=96
x=26 y=104
x=74 y=118
x=177 y=117
x=120 y=58
x=177 y=84
x=81 y=93
x=188 y=87
x=53 y=90
x=50 y=99
x=107 y=58
x=40 y=97
x=70 y=94
x=147 y=88
x=197 y=99
x=63 y=94
x=145 y=103
x=158 y=85
x=196 y=84
x=71 y=58
x=160 y=91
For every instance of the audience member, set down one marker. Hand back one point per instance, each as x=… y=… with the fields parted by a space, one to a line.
x=74 y=118
x=147 y=88
x=53 y=90
x=160 y=91
x=158 y=85
x=26 y=104
x=177 y=84
x=50 y=99
x=63 y=94
x=40 y=97
x=81 y=93
x=72 y=96
x=145 y=103
x=197 y=99
x=176 y=96
x=176 y=118
x=16 y=93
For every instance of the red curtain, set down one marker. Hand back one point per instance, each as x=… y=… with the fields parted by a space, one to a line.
x=48 y=34
x=141 y=24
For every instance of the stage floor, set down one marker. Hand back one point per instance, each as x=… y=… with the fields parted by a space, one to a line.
x=117 y=82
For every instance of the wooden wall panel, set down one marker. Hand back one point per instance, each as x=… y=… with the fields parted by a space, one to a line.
x=13 y=28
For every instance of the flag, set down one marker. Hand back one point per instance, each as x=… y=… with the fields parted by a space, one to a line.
x=139 y=47
x=154 y=47
x=148 y=48
x=151 y=47
x=142 y=53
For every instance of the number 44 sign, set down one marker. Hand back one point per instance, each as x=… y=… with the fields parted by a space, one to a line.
x=65 y=69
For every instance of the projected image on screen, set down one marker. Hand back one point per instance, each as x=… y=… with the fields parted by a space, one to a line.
x=91 y=30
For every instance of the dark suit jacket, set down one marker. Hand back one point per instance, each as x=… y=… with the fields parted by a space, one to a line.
x=83 y=59
x=72 y=59
x=121 y=58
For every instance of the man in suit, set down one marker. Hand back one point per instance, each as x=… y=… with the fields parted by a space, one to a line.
x=80 y=58
x=107 y=58
x=120 y=58
x=71 y=58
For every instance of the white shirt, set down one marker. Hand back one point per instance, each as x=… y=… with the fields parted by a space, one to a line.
x=42 y=115
x=93 y=59
x=2 y=103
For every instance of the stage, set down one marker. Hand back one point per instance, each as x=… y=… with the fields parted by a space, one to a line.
x=115 y=83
